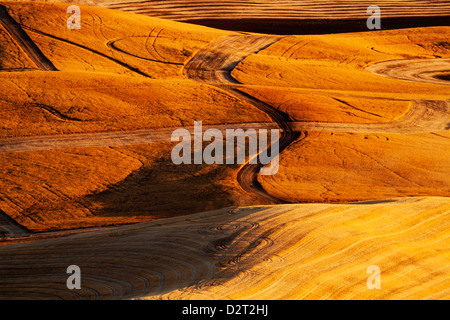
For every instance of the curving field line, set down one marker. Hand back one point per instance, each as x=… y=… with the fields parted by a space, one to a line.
x=297 y=251
x=112 y=45
x=119 y=62
x=130 y=262
x=105 y=139
x=425 y=116
x=422 y=70
x=213 y=64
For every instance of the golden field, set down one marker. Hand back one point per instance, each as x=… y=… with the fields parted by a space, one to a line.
x=342 y=167
x=354 y=131
x=95 y=103
x=337 y=62
x=307 y=78
x=95 y=79
x=92 y=187
x=299 y=251
x=96 y=89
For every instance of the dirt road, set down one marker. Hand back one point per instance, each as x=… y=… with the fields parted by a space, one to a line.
x=106 y=139
x=214 y=64
x=425 y=116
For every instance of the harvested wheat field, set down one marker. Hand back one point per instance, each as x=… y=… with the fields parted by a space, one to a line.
x=381 y=132
x=260 y=252
x=107 y=102
x=88 y=176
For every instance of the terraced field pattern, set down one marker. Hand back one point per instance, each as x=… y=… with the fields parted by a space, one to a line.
x=87 y=178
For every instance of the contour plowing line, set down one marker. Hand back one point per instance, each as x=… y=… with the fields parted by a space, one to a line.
x=213 y=65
